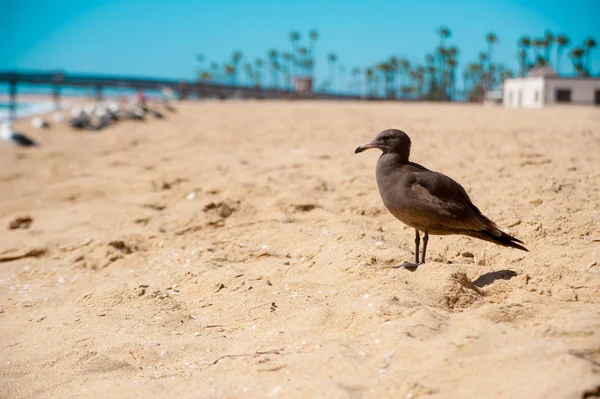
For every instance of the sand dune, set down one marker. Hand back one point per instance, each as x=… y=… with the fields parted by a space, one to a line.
x=241 y=250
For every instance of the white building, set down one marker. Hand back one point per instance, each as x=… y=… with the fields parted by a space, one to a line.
x=494 y=97
x=542 y=86
x=302 y=84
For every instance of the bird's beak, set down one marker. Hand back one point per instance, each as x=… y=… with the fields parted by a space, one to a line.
x=368 y=146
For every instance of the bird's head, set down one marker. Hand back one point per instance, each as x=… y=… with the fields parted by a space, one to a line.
x=391 y=141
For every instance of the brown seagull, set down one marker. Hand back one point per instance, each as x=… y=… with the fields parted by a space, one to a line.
x=425 y=200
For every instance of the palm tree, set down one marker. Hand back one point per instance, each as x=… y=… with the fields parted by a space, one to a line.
x=249 y=73
x=258 y=63
x=446 y=83
x=429 y=61
x=412 y=74
x=524 y=43
x=302 y=53
x=386 y=69
x=451 y=62
x=482 y=59
x=274 y=67
x=275 y=70
x=369 y=81
x=537 y=44
x=294 y=39
x=561 y=41
x=403 y=69
x=506 y=74
x=589 y=44
x=420 y=79
x=236 y=57
x=452 y=52
x=541 y=61
x=405 y=91
x=429 y=58
x=214 y=67
x=205 y=76
x=491 y=39
x=469 y=77
x=577 y=58
x=200 y=59
x=230 y=71
x=548 y=41
x=444 y=33
x=522 y=56
x=342 y=69
x=313 y=35
x=475 y=72
x=309 y=64
x=466 y=76
x=287 y=57
x=431 y=69
x=395 y=66
x=442 y=53
x=332 y=58
x=356 y=77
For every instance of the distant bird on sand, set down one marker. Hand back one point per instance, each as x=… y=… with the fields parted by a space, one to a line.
x=135 y=112
x=114 y=110
x=104 y=117
x=167 y=105
x=58 y=117
x=157 y=114
x=10 y=136
x=425 y=200
x=89 y=108
x=80 y=119
x=39 y=123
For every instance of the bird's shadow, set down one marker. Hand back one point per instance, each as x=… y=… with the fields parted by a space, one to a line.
x=489 y=278
x=408 y=266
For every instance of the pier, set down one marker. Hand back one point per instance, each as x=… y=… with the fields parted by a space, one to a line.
x=183 y=89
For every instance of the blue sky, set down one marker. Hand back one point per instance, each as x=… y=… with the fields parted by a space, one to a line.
x=161 y=38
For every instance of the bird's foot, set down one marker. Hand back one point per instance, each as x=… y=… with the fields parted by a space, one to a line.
x=409 y=265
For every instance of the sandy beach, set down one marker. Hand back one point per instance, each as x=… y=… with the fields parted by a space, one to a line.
x=241 y=249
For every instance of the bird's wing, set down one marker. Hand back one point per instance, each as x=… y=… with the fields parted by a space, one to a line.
x=448 y=203
x=23 y=140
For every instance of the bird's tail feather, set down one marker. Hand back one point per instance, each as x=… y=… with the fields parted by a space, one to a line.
x=503 y=239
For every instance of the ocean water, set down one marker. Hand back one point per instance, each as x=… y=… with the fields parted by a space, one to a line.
x=6 y=105
x=25 y=109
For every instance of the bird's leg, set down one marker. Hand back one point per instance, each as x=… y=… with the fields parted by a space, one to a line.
x=417 y=241
x=425 y=240
x=409 y=265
